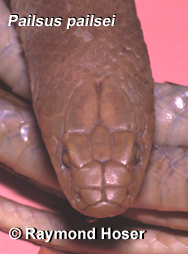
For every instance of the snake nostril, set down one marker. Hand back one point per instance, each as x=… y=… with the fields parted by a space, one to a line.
x=136 y=153
x=65 y=157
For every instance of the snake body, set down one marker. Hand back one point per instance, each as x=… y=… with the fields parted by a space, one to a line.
x=163 y=188
x=92 y=93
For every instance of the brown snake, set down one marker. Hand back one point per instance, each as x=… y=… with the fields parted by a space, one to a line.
x=103 y=203
x=92 y=93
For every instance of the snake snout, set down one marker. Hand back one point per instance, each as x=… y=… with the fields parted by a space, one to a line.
x=102 y=189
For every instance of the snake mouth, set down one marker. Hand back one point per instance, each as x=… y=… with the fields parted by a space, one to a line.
x=104 y=209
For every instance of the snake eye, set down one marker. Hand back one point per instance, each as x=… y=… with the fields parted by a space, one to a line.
x=65 y=157
x=136 y=153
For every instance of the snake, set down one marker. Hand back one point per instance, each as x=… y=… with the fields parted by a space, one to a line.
x=93 y=98
x=140 y=141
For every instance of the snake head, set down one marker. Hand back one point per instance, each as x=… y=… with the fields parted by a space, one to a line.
x=102 y=154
